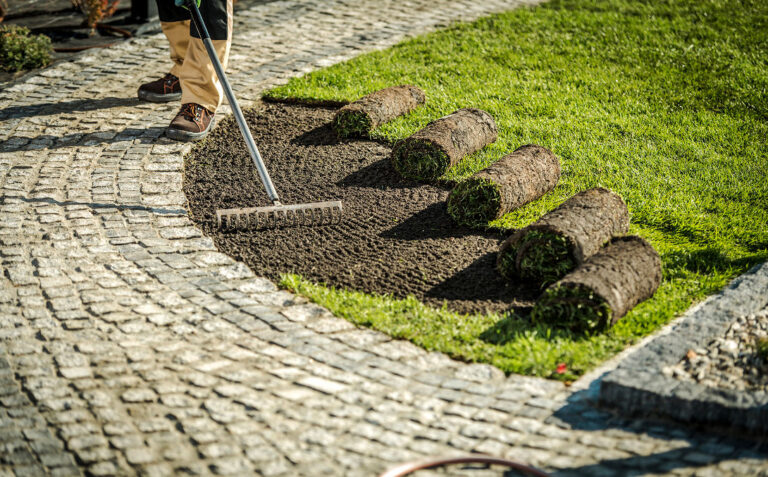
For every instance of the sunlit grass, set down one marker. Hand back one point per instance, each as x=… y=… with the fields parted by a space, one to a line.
x=664 y=102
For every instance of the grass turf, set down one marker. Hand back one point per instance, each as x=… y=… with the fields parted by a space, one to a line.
x=352 y=124
x=420 y=160
x=546 y=259
x=576 y=308
x=664 y=102
x=474 y=202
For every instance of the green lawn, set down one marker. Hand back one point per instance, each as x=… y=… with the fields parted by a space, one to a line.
x=665 y=102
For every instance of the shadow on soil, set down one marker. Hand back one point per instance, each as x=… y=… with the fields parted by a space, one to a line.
x=320 y=136
x=378 y=175
x=429 y=223
x=497 y=289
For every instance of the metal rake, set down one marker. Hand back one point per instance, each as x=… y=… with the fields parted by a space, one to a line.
x=277 y=214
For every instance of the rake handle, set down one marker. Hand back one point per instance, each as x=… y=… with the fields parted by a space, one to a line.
x=197 y=20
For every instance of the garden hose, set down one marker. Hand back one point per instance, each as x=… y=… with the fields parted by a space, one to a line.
x=410 y=467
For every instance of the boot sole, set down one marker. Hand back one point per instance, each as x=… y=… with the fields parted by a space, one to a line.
x=158 y=98
x=188 y=136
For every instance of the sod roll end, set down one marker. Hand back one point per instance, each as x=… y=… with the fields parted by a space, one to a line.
x=565 y=237
x=511 y=182
x=443 y=143
x=360 y=117
x=604 y=288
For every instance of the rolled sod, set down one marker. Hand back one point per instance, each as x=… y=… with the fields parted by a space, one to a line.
x=361 y=117
x=511 y=182
x=604 y=288
x=564 y=238
x=441 y=144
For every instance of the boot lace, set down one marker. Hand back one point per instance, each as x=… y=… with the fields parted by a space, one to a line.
x=192 y=111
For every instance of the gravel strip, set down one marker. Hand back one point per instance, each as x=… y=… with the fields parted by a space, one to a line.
x=730 y=362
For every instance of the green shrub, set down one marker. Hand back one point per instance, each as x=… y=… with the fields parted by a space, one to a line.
x=20 y=51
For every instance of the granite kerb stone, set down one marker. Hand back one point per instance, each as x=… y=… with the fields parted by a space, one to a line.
x=639 y=387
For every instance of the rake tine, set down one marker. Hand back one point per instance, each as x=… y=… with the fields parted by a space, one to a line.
x=318 y=213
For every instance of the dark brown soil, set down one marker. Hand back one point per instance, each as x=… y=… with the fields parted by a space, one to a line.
x=396 y=237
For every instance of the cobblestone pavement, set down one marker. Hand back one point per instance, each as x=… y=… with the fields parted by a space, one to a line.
x=129 y=345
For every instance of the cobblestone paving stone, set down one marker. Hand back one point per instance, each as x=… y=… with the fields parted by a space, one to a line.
x=129 y=345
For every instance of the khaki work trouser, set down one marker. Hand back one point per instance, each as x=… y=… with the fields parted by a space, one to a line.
x=192 y=66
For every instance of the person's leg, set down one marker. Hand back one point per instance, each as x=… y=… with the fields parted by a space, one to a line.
x=201 y=90
x=174 y=22
x=178 y=36
x=198 y=78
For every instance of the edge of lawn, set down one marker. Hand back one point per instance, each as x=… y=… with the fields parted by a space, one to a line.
x=510 y=341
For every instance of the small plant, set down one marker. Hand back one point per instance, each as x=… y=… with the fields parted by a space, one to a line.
x=96 y=10
x=20 y=51
x=761 y=347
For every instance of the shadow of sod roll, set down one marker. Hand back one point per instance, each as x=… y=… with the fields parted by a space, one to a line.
x=361 y=117
x=563 y=238
x=511 y=182
x=441 y=144
x=600 y=291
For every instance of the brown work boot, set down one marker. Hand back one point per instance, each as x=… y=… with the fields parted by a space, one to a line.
x=192 y=123
x=162 y=90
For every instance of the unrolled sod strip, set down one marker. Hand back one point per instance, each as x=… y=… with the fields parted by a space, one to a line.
x=371 y=111
x=511 y=182
x=441 y=144
x=564 y=238
x=604 y=288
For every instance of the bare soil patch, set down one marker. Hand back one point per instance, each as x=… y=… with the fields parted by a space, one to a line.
x=395 y=238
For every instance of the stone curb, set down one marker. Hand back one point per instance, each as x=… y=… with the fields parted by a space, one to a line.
x=638 y=386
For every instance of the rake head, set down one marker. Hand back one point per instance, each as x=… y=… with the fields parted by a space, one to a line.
x=274 y=216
